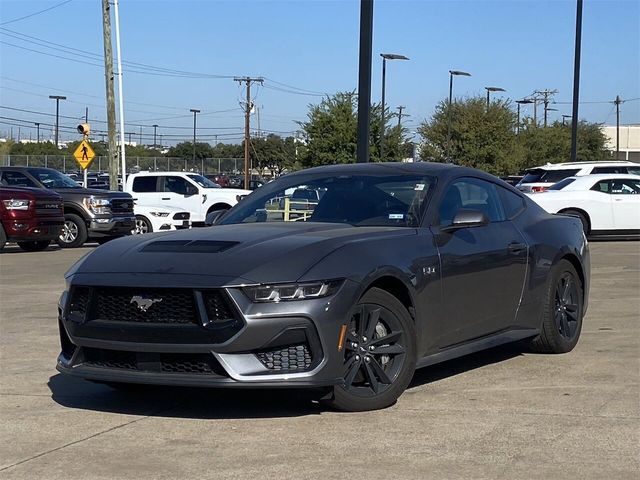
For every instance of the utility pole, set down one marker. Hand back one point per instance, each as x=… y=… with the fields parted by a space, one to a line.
x=617 y=103
x=111 y=99
x=57 y=98
x=129 y=133
x=546 y=96
x=247 y=113
x=140 y=135
x=195 y=111
x=38 y=130
x=155 y=129
x=400 y=108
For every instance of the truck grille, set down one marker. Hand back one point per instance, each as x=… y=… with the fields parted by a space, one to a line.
x=49 y=208
x=122 y=205
x=287 y=359
x=144 y=305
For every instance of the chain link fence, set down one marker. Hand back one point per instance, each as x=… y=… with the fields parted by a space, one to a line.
x=67 y=164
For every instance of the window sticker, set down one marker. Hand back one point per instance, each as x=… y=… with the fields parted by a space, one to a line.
x=419 y=186
x=396 y=216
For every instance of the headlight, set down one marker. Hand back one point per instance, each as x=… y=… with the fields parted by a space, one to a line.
x=160 y=214
x=96 y=205
x=289 y=292
x=15 y=204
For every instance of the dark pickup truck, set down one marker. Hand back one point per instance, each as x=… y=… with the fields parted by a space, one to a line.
x=31 y=217
x=94 y=214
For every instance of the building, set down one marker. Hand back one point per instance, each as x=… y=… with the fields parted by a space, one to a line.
x=629 y=141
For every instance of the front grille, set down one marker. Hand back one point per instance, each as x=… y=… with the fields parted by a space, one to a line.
x=287 y=359
x=182 y=216
x=79 y=303
x=185 y=363
x=110 y=359
x=122 y=205
x=49 y=208
x=144 y=305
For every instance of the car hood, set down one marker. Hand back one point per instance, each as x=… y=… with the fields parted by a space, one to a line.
x=244 y=253
x=85 y=192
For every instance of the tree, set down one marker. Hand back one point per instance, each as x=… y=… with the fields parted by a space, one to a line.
x=481 y=137
x=273 y=152
x=553 y=143
x=42 y=148
x=227 y=150
x=331 y=132
x=185 y=150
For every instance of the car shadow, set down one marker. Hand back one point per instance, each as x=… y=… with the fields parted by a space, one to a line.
x=12 y=248
x=240 y=403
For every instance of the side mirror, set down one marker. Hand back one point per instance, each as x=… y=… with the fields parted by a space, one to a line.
x=214 y=217
x=467 y=219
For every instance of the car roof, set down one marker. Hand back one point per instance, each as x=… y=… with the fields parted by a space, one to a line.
x=604 y=176
x=601 y=163
x=146 y=172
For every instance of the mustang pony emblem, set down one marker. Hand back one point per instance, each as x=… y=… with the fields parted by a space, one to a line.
x=144 y=303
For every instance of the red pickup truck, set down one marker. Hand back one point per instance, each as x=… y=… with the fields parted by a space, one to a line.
x=31 y=217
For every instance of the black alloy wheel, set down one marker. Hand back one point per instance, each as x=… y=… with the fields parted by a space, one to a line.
x=34 y=246
x=562 y=311
x=379 y=354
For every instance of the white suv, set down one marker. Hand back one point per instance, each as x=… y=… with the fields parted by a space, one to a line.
x=189 y=192
x=539 y=179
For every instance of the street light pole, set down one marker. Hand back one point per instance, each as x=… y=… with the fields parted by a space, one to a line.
x=385 y=57
x=563 y=119
x=155 y=129
x=451 y=74
x=195 y=112
x=364 y=80
x=57 y=98
x=492 y=89
x=524 y=101
x=576 y=82
x=38 y=132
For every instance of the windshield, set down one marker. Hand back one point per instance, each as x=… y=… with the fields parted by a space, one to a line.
x=540 y=175
x=53 y=178
x=203 y=181
x=359 y=200
x=561 y=184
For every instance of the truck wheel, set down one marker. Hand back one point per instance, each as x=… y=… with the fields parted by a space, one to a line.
x=3 y=238
x=34 y=246
x=74 y=232
x=143 y=225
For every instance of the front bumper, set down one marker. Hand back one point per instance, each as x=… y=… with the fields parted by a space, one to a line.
x=33 y=229
x=290 y=344
x=116 y=225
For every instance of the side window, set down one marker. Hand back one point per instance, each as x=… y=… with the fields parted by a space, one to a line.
x=471 y=194
x=176 y=185
x=609 y=170
x=620 y=186
x=17 y=179
x=601 y=186
x=145 y=184
x=512 y=203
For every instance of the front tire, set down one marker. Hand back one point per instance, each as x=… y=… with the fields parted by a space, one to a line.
x=562 y=311
x=3 y=238
x=379 y=354
x=143 y=225
x=74 y=232
x=34 y=246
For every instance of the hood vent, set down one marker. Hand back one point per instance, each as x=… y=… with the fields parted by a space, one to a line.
x=188 y=246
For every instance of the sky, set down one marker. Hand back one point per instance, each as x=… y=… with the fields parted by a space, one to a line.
x=304 y=49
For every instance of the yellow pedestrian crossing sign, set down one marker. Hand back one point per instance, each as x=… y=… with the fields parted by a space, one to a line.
x=84 y=154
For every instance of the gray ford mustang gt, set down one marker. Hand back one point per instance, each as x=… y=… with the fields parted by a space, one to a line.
x=368 y=272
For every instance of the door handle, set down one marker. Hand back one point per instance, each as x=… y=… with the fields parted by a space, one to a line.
x=516 y=247
x=166 y=198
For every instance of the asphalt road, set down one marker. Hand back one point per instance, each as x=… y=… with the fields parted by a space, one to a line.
x=500 y=414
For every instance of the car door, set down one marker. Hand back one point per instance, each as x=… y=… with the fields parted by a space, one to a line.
x=482 y=268
x=625 y=196
x=598 y=203
x=177 y=191
x=145 y=191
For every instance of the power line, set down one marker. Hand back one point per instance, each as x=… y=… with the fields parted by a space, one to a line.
x=35 y=13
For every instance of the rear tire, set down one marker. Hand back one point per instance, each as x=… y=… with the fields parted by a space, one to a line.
x=562 y=311
x=34 y=246
x=143 y=225
x=74 y=232
x=379 y=354
x=586 y=227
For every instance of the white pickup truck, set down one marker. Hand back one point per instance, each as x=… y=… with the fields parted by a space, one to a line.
x=190 y=192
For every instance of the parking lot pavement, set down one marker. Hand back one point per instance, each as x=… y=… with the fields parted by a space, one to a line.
x=498 y=414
